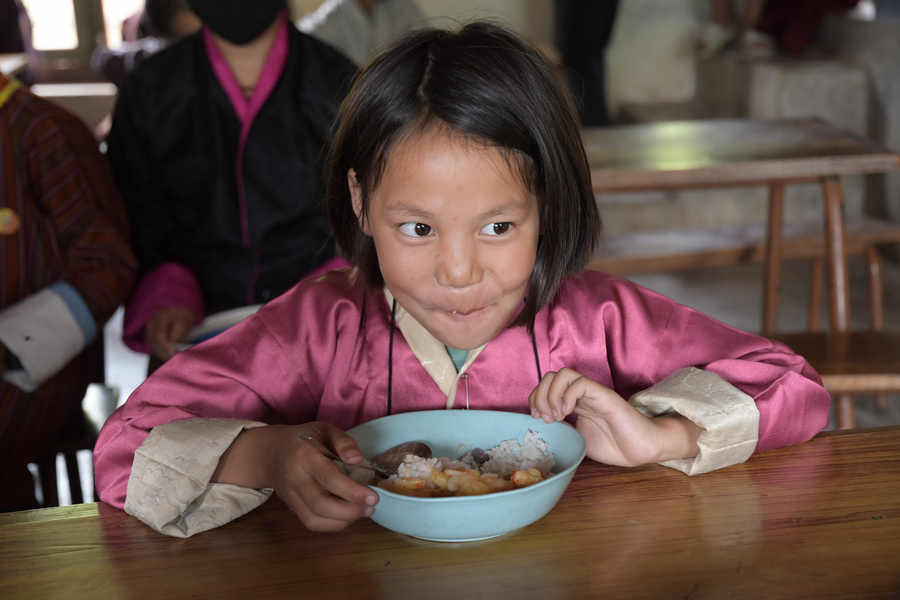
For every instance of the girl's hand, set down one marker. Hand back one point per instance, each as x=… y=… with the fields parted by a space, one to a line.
x=313 y=487
x=616 y=432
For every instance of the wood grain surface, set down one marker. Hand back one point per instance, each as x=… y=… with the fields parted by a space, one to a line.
x=817 y=520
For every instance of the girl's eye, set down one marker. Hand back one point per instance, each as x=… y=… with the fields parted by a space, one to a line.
x=496 y=228
x=416 y=229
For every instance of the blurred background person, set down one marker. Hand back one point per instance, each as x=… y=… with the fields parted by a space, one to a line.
x=214 y=144
x=358 y=28
x=145 y=33
x=724 y=26
x=583 y=30
x=65 y=267
x=795 y=23
x=15 y=38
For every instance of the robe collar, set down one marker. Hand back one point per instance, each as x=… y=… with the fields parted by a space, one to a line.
x=431 y=353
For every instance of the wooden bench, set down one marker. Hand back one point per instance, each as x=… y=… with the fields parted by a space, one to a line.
x=719 y=153
x=648 y=252
x=856 y=362
x=98 y=404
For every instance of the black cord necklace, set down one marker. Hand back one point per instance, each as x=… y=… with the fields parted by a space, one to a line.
x=537 y=361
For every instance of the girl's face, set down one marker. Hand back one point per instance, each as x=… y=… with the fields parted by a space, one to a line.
x=456 y=231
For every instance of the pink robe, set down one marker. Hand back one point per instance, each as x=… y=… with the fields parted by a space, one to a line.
x=320 y=352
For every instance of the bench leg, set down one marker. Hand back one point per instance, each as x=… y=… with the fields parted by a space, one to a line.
x=774 y=250
x=47 y=474
x=845 y=413
x=815 y=294
x=876 y=289
x=876 y=307
x=836 y=254
x=74 y=478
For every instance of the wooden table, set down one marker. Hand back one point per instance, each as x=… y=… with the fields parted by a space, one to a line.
x=743 y=152
x=821 y=519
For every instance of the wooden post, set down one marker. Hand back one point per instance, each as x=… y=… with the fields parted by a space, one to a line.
x=772 y=269
x=876 y=307
x=876 y=289
x=845 y=413
x=815 y=295
x=836 y=254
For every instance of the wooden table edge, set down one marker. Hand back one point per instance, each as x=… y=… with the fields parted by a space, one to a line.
x=751 y=173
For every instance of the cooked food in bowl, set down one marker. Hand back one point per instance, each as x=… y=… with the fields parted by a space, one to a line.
x=507 y=466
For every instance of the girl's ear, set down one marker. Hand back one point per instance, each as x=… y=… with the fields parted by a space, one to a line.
x=356 y=196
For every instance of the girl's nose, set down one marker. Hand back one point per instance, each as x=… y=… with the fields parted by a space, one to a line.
x=458 y=265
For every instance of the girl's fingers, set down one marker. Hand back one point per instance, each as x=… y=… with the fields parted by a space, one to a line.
x=564 y=391
x=322 y=497
x=342 y=444
x=320 y=512
x=337 y=496
x=330 y=477
x=540 y=408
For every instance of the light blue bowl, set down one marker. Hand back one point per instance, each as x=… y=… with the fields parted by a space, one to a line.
x=468 y=518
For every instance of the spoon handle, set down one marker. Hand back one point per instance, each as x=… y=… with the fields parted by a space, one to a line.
x=333 y=456
x=321 y=448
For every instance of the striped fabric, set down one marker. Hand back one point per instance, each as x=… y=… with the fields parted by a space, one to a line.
x=61 y=219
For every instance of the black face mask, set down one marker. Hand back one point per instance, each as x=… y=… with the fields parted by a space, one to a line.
x=238 y=21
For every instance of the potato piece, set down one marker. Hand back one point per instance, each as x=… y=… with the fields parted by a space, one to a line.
x=439 y=479
x=525 y=478
x=497 y=484
x=473 y=487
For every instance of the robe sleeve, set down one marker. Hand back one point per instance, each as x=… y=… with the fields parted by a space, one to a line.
x=156 y=453
x=728 y=416
x=90 y=269
x=76 y=191
x=667 y=357
x=241 y=375
x=169 y=487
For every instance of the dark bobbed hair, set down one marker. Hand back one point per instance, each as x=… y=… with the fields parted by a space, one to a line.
x=485 y=83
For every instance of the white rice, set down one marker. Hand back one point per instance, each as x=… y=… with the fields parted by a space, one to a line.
x=416 y=466
x=510 y=455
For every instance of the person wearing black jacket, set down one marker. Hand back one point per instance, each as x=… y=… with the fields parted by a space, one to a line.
x=215 y=144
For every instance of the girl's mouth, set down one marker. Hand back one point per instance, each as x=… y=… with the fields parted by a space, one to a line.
x=462 y=314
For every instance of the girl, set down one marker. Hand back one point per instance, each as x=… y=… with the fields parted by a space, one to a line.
x=460 y=191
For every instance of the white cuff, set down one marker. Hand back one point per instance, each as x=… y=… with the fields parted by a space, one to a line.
x=728 y=416
x=43 y=333
x=169 y=487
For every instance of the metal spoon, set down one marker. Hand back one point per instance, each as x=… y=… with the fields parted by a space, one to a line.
x=386 y=463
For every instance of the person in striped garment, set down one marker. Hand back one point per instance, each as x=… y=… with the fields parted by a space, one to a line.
x=65 y=266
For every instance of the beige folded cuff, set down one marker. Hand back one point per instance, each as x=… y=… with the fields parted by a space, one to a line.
x=728 y=416
x=169 y=487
